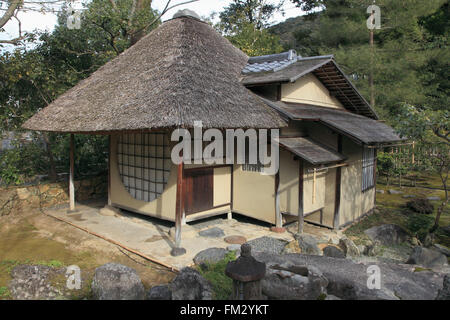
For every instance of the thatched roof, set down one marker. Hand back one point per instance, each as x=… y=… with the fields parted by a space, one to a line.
x=182 y=72
x=279 y=69
x=362 y=129
x=311 y=151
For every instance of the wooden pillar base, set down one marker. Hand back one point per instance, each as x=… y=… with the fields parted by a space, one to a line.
x=175 y=252
x=278 y=229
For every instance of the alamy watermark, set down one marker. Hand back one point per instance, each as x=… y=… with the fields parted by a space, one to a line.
x=73 y=275
x=251 y=147
x=74 y=18
x=374 y=20
x=374 y=279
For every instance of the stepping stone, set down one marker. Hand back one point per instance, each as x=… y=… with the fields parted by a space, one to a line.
x=380 y=191
x=212 y=233
x=235 y=239
x=434 y=198
x=406 y=196
x=392 y=191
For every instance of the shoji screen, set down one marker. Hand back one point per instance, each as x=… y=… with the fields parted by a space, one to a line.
x=144 y=164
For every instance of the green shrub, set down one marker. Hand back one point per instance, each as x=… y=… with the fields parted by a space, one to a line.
x=215 y=274
x=21 y=162
x=420 y=205
x=419 y=225
x=385 y=165
x=26 y=160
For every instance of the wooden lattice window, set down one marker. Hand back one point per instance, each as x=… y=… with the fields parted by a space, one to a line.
x=144 y=164
x=368 y=168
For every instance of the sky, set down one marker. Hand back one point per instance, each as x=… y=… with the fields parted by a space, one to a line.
x=32 y=20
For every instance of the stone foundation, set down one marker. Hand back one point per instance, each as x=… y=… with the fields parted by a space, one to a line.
x=14 y=200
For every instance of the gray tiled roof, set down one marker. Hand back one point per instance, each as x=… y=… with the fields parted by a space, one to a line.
x=271 y=62
x=267 y=66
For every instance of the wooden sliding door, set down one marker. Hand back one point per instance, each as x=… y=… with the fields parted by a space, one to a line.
x=198 y=190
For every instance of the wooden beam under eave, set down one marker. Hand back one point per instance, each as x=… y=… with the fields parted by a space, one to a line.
x=72 y=175
x=177 y=250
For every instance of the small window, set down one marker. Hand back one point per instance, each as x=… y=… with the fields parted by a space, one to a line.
x=252 y=167
x=368 y=168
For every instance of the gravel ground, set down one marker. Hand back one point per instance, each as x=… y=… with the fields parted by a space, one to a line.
x=267 y=244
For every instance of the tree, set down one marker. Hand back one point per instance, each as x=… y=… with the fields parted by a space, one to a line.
x=256 y=12
x=131 y=16
x=30 y=79
x=309 y=5
x=409 y=59
x=385 y=165
x=244 y=23
x=432 y=128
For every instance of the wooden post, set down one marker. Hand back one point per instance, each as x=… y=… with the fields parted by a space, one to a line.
x=413 y=147
x=230 y=213
x=109 y=170
x=177 y=250
x=314 y=186
x=278 y=217
x=71 y=174
x=371 y=76
x=300 y=197
x=375 y=153
x=337 y=199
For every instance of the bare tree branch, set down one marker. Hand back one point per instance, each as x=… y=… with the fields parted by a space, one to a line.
x=14 y=41
x=13 y=5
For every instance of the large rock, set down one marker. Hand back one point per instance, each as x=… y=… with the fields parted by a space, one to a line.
x=308 y=244
x=210 y=255
x=444 y=293
x=442 y=249
x=293 y=282
x=387 y=234
x=427 y=257
x=114 y=281
x=332 y=251
x=34 y=282
x=348 y=247
x=190 y=285
x=161 y=292
x=348 y=279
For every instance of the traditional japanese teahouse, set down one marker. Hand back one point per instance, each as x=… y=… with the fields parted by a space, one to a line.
x=183 y=72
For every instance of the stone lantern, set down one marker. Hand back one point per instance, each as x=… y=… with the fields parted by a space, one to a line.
x=246 y=273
